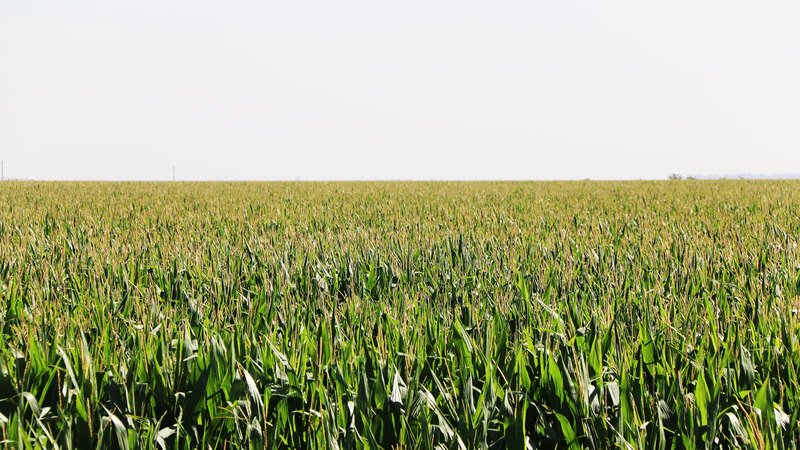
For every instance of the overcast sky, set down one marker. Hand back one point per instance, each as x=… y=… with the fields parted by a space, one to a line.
x=104 y=89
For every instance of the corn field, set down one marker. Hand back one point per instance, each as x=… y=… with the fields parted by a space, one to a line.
x=560 y=315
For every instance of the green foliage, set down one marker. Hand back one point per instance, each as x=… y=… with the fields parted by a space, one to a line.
x=583 y=315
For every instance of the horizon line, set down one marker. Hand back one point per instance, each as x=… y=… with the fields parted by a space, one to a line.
x=407 y=180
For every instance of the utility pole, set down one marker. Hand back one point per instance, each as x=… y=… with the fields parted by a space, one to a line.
x=173 y=173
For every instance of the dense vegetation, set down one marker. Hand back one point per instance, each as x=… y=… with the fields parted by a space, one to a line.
x=400 y=315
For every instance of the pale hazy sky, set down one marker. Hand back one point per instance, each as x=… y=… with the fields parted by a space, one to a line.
x=103 y=89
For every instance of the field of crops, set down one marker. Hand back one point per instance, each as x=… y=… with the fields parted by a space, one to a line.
x=400 y=315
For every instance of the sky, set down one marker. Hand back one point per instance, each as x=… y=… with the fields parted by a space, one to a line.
x=435 y=89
